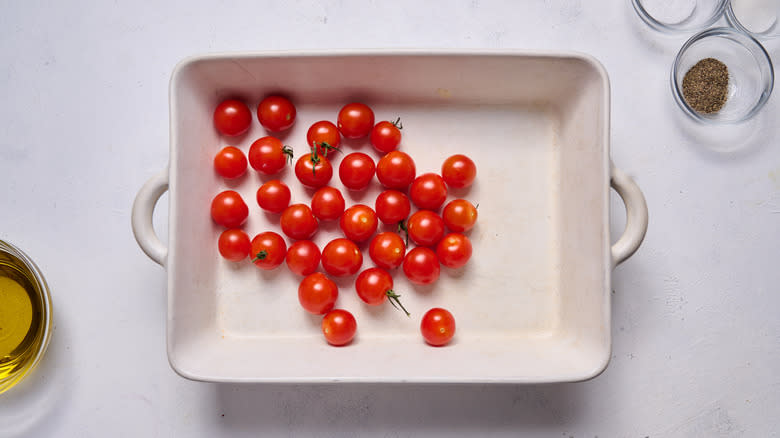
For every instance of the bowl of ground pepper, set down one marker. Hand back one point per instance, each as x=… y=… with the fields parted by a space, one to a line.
x=722 y=75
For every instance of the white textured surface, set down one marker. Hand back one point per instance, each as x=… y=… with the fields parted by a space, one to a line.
x=85 y=123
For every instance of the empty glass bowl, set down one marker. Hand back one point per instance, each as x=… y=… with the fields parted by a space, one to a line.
x=750 y=73
x=760 y=18
x=679 y=15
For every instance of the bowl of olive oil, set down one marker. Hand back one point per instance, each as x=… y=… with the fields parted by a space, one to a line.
x=25 y=315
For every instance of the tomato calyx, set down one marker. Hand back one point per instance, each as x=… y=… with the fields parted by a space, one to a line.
x=288 y=152
x=402 y=229
x=315 y=160
x=394 y=298
x=326 y=147
x=398 y=123
x=260 y=256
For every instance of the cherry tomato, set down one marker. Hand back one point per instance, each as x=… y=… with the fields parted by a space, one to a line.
x=325 y=135
x=273 y=196
x=458 y=171
x=374 y=285
x=230 y=162
x=358 y=222
x=392 y=207
x=228 y=209
x=276 y=113
x=386 y=136
x=232 y=117
x=234 y=245
x=425 y=228
x=268 y=250
x=341 y=257
x=313 y=171
x=356 y=170
x=421 y=266
x=317 y=293
x=355 y=120
x=396 y=170
x=387 y=250
x=437 y=326
x=459 y=215
x=303 y=257
x=327 y=204
x=428 y=191
x=298 y=222
x=268 y=155
x=339 y=327
x=454 y=250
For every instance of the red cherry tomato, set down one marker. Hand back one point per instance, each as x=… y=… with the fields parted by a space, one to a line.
x=339 y=327
x=313 y=171
x=355 y=120
x=458 y=171
x=273 y=196
x=421 y=266
x=428 y=191
x=327 y=204
x=459 y=215
x=325 y=135
x=356 y=170
x=276 y=113
x=358 y=222
x=298 y=222
x=396 y=170
x=437 y=326
x=268 y=155
x=303 y=257
x=232 y=117
x=341 y=257
x=228 y=209
x=230 y=162
x=387 y=250
x=392 y=207
x=374 y=285
x=425 y=228
x=386 y=136
x=317 y=293
x=268 y=250
x=454 y=250
x=234 y=245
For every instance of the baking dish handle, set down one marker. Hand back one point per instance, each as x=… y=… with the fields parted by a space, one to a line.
x=636 y=216
x=141 y=217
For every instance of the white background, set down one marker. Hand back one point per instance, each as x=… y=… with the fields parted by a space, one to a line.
x=84 y=122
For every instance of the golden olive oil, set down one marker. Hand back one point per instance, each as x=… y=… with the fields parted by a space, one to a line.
x=22 y=319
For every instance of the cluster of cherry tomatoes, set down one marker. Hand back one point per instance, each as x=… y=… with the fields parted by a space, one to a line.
x=341 y=257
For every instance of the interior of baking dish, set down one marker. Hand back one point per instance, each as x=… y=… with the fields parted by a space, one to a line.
x=532 y=305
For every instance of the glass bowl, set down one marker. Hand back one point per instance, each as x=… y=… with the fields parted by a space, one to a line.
x=750 y=73
x=759 y=18
x=24 y=285
x=672 y=16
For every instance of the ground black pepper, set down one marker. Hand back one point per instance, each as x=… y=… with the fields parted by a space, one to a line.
x=705 y=86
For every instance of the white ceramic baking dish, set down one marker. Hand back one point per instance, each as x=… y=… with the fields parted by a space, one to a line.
x=533 y=304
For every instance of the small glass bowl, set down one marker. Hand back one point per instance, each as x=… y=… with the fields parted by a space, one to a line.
x=673 y=16
x=21 y=267
x=759 y=18
x=751 y=75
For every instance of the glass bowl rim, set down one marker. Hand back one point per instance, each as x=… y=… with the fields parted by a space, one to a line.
x=671 y=28
x=732 y=20
x=719 y=32
x=40 y=282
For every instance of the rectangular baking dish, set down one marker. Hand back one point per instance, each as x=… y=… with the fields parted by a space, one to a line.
x=533 y=304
